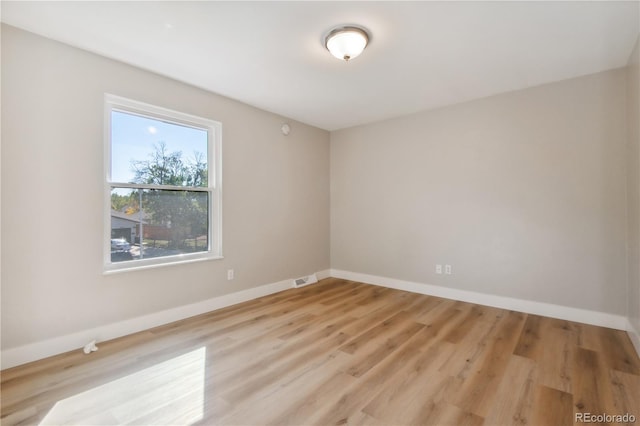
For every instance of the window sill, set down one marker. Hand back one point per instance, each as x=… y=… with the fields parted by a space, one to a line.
x=135 y=265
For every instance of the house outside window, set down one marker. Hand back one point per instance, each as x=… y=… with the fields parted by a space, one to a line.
x=162 y=186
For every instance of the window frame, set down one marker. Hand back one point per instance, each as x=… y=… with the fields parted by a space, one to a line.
x=213 y=188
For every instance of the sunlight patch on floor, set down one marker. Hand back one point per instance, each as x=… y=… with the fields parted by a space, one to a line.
x=171 y=392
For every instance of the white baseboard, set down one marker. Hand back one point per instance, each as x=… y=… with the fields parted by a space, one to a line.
x=57 y=345
x=634 y=335
x=323 y=274
x=602 y=319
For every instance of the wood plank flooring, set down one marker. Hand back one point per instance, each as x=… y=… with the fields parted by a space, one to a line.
x=337 y=352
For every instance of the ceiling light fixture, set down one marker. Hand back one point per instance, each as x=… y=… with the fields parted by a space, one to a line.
x=346 y=43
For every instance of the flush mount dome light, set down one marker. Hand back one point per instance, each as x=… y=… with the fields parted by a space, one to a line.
x=346 y=42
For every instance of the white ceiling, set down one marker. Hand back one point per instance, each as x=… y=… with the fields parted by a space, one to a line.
x=422 y=54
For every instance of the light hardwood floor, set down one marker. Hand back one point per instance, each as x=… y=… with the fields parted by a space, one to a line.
x=337 y=352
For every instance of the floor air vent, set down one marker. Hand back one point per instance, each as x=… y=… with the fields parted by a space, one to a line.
x=310 y=279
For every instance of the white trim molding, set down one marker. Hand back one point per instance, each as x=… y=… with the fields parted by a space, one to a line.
x=585 y=316
x=321 y=275
x=634 y=335
x=38 y=350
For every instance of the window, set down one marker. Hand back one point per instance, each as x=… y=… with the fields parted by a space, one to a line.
x=162 y=188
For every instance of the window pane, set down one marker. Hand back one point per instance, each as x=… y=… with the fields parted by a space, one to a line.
x=170 y=223
x=149 y=151
x=125 y=224
x=176 y=222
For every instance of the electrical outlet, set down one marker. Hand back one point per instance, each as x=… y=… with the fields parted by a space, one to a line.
x=447 y=269
x=230 y=274
x=438 y=269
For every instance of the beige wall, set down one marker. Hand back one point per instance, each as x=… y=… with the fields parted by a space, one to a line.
x=523 y=193
x=633 y=186
x=276 y=194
